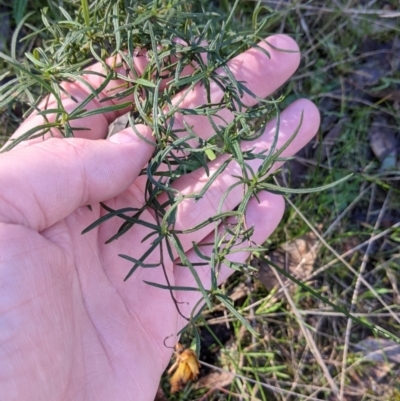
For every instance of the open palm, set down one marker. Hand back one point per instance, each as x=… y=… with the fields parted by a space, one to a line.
x=71 y=328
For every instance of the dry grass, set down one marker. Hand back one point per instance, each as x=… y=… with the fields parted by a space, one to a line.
x=343 y=243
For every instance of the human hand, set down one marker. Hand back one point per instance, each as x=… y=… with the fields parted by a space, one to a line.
x=71 y=329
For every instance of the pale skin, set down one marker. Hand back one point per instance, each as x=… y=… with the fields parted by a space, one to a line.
x=70 y=328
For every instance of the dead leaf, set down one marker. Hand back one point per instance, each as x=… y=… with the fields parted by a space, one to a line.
x=296 y=257
x=367 y=76
x=379 y=376
x=391 y=94
x=382 y=139
x=216 y=379
x=330 y=139
x=239 y=292
x=379 y=350
x=119 y=124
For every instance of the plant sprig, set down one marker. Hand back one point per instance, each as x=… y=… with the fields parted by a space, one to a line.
x=174 y=34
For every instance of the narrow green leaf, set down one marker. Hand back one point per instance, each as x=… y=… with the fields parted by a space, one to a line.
x=145 y=82
x=178 y=246
x=139 y=262
x=283 y=190
x=229 y=305
x=85 y=10
x=171 y=287
x=19 y=8
x=101 y=110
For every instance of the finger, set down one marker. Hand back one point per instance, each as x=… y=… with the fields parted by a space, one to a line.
x=264 y=217
x=261 y=74
x=46 y=182
x=96 y=126
x=139 y=63
x=192 y=212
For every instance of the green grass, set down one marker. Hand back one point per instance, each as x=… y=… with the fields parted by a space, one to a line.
x=305 y=349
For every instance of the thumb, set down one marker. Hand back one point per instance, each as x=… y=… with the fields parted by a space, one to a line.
x=43 y=183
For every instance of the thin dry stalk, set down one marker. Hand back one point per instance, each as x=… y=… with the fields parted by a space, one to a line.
x=310 y=341
x=355 y=295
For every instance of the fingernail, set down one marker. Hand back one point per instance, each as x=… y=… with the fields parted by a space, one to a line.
x=123 y=137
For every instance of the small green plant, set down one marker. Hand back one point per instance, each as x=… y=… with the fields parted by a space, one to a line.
x=175 y=35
